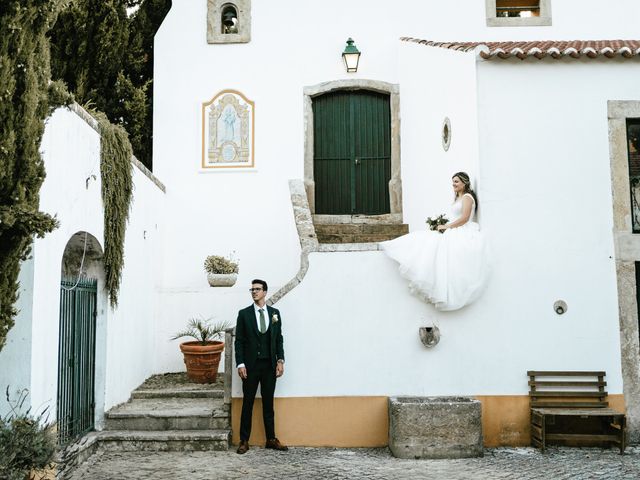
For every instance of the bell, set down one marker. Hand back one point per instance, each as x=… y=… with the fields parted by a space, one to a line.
x=229 y=21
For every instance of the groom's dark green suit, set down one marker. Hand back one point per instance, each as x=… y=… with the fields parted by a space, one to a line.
x=260 y=353
x=247 y=342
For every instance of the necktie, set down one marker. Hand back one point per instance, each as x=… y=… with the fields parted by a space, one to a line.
x=263 y=325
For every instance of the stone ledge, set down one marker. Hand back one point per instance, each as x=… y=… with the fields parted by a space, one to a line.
x=305 y=225
x=76 y=453
x=389 y=219
x=348 y=247
x=164 y=436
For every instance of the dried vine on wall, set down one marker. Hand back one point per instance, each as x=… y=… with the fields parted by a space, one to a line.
x=117 y=190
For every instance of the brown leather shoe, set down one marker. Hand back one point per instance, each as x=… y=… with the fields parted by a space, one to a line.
x=243 y=447
x=275 y=444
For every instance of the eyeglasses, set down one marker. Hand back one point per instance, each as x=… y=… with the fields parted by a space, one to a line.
x=255 y=289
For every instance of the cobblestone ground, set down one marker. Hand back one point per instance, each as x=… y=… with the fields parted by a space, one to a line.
x=329 y=463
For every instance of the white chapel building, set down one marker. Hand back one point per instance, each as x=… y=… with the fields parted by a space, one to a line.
x=266 y=148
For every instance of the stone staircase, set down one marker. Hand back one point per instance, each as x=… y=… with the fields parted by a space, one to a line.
x=359 y=232
x=168 y=413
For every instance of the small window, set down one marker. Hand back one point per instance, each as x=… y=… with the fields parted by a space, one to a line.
x=633 y=147
x=518 y=13
x=517 y=8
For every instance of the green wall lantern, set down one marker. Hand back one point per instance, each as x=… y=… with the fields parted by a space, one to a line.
x=351 y=56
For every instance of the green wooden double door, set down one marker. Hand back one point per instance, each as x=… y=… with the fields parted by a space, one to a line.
x=352 y=152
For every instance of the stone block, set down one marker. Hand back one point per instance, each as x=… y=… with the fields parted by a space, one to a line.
x=435 y=427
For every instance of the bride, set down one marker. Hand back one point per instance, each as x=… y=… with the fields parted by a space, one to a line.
x=447 y=268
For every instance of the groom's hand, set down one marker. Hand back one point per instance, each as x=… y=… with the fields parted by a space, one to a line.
x=279 y=369
x=242 y=371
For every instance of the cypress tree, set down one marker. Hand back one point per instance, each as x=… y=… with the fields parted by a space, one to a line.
x=139 y=65
x=106 y=59
x=24 y=105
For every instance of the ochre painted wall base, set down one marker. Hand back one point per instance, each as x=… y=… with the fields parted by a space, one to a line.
x=364 y=421
x=321 y=421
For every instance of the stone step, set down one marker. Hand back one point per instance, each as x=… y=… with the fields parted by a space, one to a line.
x=177 y=393
x=351 y=228
x=165 y=441
x=359 y=233
x=169 y=414
x=362 y=238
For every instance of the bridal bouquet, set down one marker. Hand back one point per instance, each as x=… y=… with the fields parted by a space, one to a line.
x=435 y=222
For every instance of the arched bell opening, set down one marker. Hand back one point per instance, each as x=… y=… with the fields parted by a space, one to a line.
x=229 y=21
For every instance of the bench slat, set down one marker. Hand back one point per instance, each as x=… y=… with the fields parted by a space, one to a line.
x=546 y=393
x=550 y=383
x=569 y=404
x=596 y=412
x=538 y=373
x=582 y=436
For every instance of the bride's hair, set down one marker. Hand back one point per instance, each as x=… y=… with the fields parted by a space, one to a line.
x=464 y=178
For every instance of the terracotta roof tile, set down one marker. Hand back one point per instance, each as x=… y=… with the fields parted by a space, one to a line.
x=542 y=48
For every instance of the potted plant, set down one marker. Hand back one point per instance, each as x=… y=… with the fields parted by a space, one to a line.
x=202 y=356
x=221 y=271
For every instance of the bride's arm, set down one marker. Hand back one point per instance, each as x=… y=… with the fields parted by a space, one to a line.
x=467 y=205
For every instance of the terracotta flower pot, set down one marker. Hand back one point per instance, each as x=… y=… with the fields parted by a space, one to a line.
x=202 y=360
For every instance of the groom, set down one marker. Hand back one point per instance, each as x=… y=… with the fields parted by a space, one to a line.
x=260 y=360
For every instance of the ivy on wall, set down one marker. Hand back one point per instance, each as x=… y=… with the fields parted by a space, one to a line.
x=24 y=105
x=117 y=189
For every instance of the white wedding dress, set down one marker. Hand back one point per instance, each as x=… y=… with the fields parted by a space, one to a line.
x=447 y=269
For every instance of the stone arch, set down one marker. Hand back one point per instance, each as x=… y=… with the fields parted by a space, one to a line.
x=76 y=256
x=393 y=90
x=229 y=11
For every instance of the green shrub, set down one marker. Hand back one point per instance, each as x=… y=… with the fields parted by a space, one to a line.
x=26 y=441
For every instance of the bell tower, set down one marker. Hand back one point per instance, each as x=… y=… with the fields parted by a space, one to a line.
x=228 y=21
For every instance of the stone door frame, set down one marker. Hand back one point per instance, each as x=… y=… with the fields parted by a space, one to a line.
x=393 y=90
x=627 y=251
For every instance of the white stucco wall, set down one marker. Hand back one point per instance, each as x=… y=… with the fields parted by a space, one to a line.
x=435 y=84
x=351 y=326
x=248 y=212
x=546 y=198
x=71 y=192
x=15 y=372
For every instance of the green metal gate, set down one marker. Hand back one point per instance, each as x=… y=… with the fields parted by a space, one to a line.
x=76 y=358
x=352 y=152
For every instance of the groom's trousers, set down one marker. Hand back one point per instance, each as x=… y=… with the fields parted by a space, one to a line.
x=264 y=374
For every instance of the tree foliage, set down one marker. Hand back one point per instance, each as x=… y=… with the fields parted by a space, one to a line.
x=24 y=105
x=106 y=59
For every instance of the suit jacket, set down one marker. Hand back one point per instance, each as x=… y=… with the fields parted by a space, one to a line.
x=247 y=341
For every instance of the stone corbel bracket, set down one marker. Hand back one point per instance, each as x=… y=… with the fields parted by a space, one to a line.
x=306 y=233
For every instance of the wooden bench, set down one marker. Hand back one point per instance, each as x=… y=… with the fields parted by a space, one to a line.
x=571 y=408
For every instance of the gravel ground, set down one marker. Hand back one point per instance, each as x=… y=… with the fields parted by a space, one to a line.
x=331 y=463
